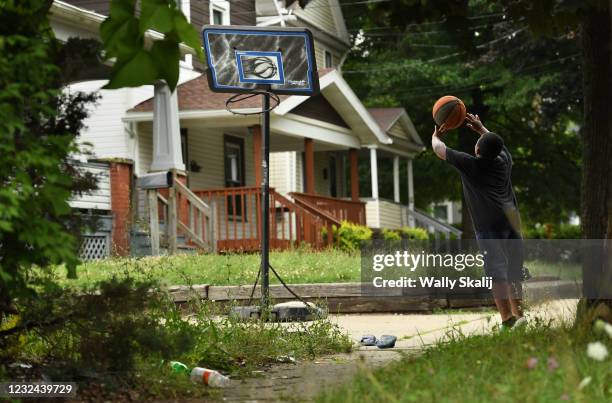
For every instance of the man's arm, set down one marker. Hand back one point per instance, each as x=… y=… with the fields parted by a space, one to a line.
x=437 y=145
x=474 y=123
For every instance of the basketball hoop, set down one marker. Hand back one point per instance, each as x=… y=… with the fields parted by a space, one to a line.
x=239 y=97
x=266 y=61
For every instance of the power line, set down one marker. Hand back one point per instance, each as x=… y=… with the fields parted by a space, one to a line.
x=437 y=59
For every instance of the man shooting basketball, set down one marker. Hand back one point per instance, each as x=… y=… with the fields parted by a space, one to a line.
x=487 y=187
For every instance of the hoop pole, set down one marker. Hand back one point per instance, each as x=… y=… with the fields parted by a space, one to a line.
x=265 y=205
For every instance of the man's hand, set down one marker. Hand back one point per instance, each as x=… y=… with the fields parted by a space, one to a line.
x=438 y=147
x=474 y=123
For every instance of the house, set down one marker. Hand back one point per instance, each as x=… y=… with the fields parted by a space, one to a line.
x=316 y=143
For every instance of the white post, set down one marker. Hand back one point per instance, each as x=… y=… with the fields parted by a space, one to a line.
x=374 y=170
x=410 y=191
x=166 y=130
x=396 y=179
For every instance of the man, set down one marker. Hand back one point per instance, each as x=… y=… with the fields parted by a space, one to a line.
x=487 y=187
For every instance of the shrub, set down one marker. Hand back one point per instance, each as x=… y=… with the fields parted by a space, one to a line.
x=349 y=236
x=391 y=235
x=414 y=233
x=552 y=231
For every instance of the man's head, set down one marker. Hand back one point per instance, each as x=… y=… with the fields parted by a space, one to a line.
x=488 y=146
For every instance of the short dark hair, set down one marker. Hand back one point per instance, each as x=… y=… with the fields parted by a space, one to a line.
x=490 y=145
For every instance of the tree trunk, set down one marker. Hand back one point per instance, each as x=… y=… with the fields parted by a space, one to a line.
x=597 y=139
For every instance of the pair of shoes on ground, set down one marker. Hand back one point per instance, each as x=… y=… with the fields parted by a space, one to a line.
x=385 y=341
x=513 y=323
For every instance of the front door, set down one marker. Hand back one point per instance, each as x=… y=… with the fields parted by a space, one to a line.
x=234 y=171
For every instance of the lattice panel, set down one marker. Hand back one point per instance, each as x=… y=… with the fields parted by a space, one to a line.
x=94 y=247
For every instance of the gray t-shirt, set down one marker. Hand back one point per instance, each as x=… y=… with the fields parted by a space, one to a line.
x=487 y=187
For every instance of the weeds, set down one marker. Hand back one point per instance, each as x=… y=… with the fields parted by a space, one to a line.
x=541 y=364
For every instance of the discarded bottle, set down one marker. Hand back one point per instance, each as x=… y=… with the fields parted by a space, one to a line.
x=178 y=367
x=209 y=377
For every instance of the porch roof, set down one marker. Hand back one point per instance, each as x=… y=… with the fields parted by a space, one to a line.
x=195 y=97
x=390 y=118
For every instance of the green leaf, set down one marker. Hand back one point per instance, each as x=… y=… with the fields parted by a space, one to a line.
x=187 y=34
x=157 y=15
x=137 y=71
x=166 y=56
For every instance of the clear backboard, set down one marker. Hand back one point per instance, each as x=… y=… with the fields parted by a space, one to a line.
x=243 y=59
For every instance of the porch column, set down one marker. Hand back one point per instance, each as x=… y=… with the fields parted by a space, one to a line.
x=410 y=191
x=166 y=130
x=353 y=156
x=396 y=179
x=374 y=170
x=309 y=165
x=256 y=131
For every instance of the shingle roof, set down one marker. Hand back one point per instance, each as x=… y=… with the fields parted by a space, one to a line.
x=385 y=117
x=195 y=94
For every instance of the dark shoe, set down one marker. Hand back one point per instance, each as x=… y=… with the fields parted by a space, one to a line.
x=386 y=341
x=507 y=324
x=368 y=340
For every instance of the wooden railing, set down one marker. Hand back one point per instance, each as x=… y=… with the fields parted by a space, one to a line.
x=339 y=209
x=194 y=217
x=182 y=212
x=237 y=214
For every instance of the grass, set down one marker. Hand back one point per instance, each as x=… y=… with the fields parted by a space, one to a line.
x=298 y=266
x=121 y=334
x=489 y=368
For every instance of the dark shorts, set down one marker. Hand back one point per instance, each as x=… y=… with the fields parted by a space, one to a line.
x=503 y=254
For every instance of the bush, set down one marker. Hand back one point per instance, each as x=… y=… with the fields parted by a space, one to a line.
x=552 y=231
x=391 y=235
x=349 y=236
x=414 y=233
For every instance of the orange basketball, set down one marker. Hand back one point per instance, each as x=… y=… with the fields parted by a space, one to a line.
x=449 y=110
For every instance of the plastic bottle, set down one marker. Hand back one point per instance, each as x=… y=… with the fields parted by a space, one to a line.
x=178 y=367
x=209 y=377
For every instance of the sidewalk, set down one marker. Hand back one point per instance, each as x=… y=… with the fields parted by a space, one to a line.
x=305 y=380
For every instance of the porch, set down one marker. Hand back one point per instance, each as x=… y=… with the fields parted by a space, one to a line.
x=218 y=162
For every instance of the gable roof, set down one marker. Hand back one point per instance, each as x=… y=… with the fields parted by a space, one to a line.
x=387 y=118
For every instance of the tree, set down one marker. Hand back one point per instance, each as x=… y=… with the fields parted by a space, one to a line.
x=38 y=127
x=583 y=90
x=524 y=87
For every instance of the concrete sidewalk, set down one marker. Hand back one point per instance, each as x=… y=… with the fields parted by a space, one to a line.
x=305 y=380
x=416 y=330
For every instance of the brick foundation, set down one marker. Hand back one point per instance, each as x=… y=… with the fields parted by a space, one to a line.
x=121 y=184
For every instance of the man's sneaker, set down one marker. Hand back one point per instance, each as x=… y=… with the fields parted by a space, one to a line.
x=507 y=324
x=520 y=323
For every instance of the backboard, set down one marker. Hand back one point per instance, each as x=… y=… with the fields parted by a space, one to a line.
x=243 y=59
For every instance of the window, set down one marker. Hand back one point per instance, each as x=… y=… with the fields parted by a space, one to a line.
x=328 y=59
x=185 y=148
x=220 y=12
x=441 y=212
x=234 y=173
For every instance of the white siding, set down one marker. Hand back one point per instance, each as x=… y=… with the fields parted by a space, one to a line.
x=319 y=12
x=299 y=172
x=100 y=199
x=372 y=218
x=389 y=214
x=104 y=128
x=398 y=131
x=280 y=172
x=205 y=148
